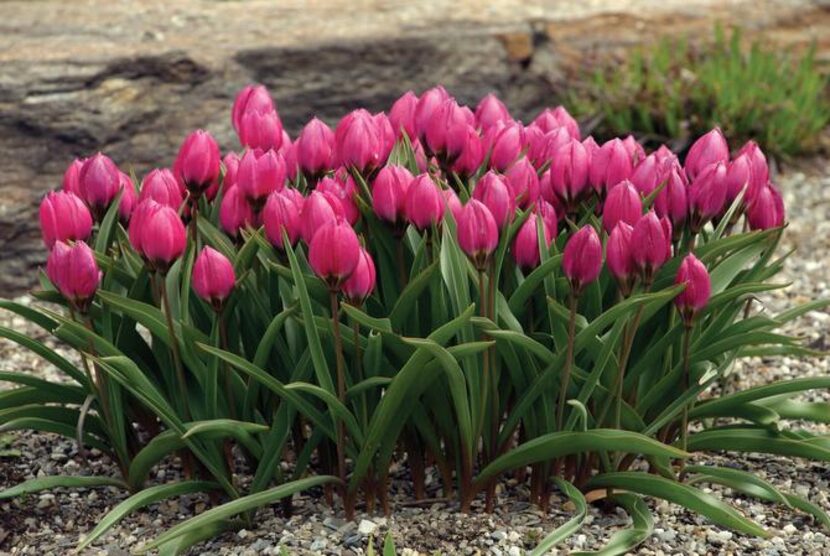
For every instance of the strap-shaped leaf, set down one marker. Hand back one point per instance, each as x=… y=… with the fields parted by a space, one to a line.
x=318 y=358
x=48 y=354
x=736 y=479
x=762 y=441
x=238 y=506
x=626 y=540
x=569 y=527
x=458 y=389
x=747 y=483
x=410 y=294
x=59 y=481
x=558 y=444
x=682 y=494
x=141 y=499
x=737 y=399
x=304 y=407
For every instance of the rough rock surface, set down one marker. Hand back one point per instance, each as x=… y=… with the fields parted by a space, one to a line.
x=132 y=78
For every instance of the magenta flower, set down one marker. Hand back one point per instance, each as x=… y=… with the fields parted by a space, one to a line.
x=213 y=277
x=582 y=258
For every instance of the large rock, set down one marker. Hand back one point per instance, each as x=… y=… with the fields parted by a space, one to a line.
x=131 y=78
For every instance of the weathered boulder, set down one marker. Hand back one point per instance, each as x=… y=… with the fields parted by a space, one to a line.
x=131 y=78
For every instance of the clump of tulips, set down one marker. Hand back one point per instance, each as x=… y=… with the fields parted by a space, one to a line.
x=437 y=286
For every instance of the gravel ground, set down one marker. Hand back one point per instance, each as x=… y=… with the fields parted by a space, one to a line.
x=51 y=523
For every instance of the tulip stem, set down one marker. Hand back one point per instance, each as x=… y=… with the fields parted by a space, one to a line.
x=631 y=332
x=174 y=346
x=684 y=427
x=194 y=222
x=566 y=372
x=358 y=366
x=341 y=395
x=625 y=354
x=485 y=356
x=401 y=264
x=98 y=385
x=494 y=392
x=223 y=341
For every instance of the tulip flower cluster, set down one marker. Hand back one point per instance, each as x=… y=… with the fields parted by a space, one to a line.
x=440 y=280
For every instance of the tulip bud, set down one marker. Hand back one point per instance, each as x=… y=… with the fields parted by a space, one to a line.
x=698 y=288
x=64 y=216
x=740 y=175
x=142 y=212
x=592 y=147
x=345 y=192
x=235 y=213
x=622 y=205
x=161 y=186
x=213 y=277
x=650 y=244
x=610 y=165
x=582 y=258
x=197 y=163
x=526 y=244
x=128 y=198
x=261 y=130
x=281 y=215
x=358 y=142
x=420 y=157
x=549 y=214
x=619 y=256
x=534 y=143
x=99 y=182
x=635 y=149
x=319 y=209
x=446 y=131
x=569 y=174
x=315 y=149
x=492 y=190
x=549 y=120
x=260 y=173
x=424 y=202
x=648 y=175
x=767 y=209
x=296 y=197
x=288 y=151
x=359 y=286
x=471 y=156
x=504 y=141
x=757 y=161
x=71 y=177
x=386 y=136
x=389 y=193
x=231 y=163
x=523 y=182
x=707 y=195
x=665 y=155
x=73 y=271
x=430 y=100
x=157 y=234
x=402 y=115
x=453 y=203
x=709 y=149
x=672 y=202
x=542 y=148
x=334 y=253
x=491 y=110
x=478 y=233
x=252 y=98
